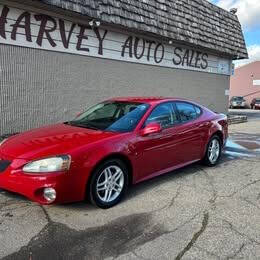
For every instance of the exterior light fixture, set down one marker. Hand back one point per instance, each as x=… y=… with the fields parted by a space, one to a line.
x=49 y=194
x=94 y=23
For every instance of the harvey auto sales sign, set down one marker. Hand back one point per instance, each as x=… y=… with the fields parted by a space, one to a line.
x=41 y=31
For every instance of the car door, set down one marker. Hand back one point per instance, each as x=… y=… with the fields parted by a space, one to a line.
x=157 y=152
x=191 y=132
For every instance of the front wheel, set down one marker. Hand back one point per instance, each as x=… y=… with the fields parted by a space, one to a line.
x=213 y=151
x=108 y=183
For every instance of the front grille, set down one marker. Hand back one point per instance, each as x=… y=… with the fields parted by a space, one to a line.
x=4 y=164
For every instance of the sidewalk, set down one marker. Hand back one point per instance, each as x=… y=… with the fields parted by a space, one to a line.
x=251 y=127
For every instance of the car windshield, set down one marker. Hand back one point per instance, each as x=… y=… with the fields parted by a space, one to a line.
x=112 y=116
x=257 y=101
x=238 y=98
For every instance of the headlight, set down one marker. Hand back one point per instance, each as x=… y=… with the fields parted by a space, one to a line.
x=52 y=164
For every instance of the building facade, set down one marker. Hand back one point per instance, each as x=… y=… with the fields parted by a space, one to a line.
x=246 y=82
x=59 y=57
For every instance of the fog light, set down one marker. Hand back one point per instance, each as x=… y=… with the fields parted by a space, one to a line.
x=49 y=194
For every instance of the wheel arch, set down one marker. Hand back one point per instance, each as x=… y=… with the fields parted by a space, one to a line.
x=219 y=134
x=216 y=132
x=118 y=156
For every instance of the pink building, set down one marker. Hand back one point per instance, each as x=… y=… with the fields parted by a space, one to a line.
x=246 y=82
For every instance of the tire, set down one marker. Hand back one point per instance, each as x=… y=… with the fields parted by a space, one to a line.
x=217 y=143
x=111 y=192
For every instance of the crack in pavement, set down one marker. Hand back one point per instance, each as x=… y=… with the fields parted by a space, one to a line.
x=214 y=191
x=207 y=252
x=240 y=189
x=47 y=216
x=57 y=241
x=168 y=204
x=231 y=226
x=233 y=256
x=175 y=197
x=171 y=203
x=126 y=234
x=195 y=237
x=113 y=239
x=4 y=206
x=250 y=202
x=170 y=231
x=140 y=257
x=7 y=203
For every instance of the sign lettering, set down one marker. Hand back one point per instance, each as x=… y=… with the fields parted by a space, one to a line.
x=42 y=31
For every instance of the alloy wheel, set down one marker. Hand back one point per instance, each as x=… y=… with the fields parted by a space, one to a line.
x=214 y=151
x=110 y=183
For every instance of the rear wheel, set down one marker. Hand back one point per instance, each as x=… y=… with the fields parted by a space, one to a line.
x=108 y=183
x=213 y=151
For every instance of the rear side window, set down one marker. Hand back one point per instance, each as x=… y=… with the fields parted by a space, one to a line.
x=187 y=111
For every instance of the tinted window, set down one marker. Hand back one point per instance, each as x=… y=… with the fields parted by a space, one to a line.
x=187 y=111
x=198 y=111
x=164 y=115
x=112 y=116
x=237 y=99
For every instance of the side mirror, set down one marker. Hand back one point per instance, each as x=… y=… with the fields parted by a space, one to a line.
x=151 y=128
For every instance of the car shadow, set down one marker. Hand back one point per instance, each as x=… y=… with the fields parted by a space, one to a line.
x=134 y=190
x=143 y=187
x=191 y=169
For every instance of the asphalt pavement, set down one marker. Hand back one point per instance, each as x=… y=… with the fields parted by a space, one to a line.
x=192 y=213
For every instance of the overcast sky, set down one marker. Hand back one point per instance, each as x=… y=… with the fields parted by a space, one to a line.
x=249 y=16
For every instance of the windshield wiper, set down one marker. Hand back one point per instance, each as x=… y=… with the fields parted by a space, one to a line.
x=81 y=125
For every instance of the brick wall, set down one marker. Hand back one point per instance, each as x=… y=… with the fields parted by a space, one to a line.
x=39 y=87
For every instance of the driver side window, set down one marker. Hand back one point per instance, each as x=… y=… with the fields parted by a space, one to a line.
x=164 y=115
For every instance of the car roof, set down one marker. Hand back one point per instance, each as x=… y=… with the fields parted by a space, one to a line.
x=150 y=100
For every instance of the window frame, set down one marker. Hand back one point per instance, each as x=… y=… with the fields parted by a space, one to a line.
x=173 y=111
x=189 y=103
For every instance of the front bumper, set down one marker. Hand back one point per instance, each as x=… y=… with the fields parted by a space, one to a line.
x=238 y=105
x=31 y=186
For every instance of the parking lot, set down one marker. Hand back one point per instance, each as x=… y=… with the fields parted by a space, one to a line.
x=192 y=213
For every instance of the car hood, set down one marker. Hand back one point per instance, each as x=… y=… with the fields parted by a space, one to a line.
x=51 y=140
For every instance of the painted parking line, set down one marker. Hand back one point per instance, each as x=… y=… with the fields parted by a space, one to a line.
x=243 y=145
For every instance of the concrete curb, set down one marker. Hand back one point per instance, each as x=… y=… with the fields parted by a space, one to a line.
x=236 y=119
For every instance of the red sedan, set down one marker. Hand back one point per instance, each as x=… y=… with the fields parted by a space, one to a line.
x=113 y=144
